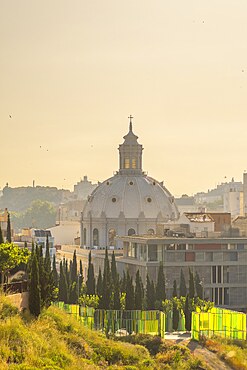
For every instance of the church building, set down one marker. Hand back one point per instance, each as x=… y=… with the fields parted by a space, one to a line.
x=129 y=203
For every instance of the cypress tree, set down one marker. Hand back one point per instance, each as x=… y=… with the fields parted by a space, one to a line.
x=138 y=292
x=90 y=276
x=106 y=290
x=123 y=283
x=34 y=289
x=187 y=314
x=160 y=287
x=115 y=284
x=191 y=285
x=130 y=295
x=99 y=284
x=42 y=276
x=175 y=312
x=81 y=278
x=47 y=276
x=114 y=273
x=8 y=235
x=1 y=236
x=150 y=294
x=182 y=287
x=54 y=271
x=116 y=295
x=73 y=293
x=63 y=286
x=198 y=286
x=73 y=273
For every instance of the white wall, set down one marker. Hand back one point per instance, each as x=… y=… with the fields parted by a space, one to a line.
x=66 y=232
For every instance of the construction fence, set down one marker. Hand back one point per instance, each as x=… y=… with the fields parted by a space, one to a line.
x=220 y=322
x=118 y=322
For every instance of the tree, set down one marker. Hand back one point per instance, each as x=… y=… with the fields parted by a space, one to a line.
x=114 y=273
x=90 y=277
x=129 y=302
x=47 y=277
x=150 y=294
x=54 y=271
x=187 y=314
x=41 y=215
x=115 y=301
x=1 y=236
x=191 y=285
x=73 y=293
x=138 y=292
x=160 y=287
x=106 y=290
x=8 y=235
x=34 y=289
x=73 y=271
x=99 y=284
x=63 y=286
x=182 y=287
x=10 y=256
x=175 y=312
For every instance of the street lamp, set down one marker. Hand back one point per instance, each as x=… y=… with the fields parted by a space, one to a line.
x=202 y=285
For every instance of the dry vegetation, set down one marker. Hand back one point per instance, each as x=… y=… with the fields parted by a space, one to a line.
x=57 y=341
x=233 y=352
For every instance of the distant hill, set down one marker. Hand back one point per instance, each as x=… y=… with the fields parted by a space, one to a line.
x=19 y=199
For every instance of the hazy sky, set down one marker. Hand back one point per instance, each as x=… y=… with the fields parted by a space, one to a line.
x=71 y=72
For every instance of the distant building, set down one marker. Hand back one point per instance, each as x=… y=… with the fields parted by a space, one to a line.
x=220 y=262
x=202 y=224
x=186 y=204
x=70 y=211
x=36 y=236
x=234 y=202
x=4 y=222
x=214 y=197
x=83 y=188
x=128 y=203
x=65 y=232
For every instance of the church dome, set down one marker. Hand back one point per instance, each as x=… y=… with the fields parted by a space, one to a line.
x=131 y=193
x=131 y=196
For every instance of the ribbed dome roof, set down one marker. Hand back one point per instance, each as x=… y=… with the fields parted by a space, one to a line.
x=131 y=196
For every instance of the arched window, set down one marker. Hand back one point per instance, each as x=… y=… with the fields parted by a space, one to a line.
x=131 y=232
x=111 y=237
x=95 y=237
x=150 y=232
x=84 y=236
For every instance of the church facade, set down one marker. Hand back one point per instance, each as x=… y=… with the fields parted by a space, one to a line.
x=129 y=203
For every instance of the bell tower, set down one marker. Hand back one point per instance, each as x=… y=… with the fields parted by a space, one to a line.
x=130 y=154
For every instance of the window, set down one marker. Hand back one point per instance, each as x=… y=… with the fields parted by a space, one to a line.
x=95 y=237
x=126 y=163
x=152 y=253
x=131 y=232
x=133 y=163
x=190 y=256
x=132 y=250
x=150 y=232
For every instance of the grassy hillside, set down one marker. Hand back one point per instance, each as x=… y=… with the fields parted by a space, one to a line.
x=57 y=341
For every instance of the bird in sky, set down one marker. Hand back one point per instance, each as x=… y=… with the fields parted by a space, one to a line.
x=10 y=116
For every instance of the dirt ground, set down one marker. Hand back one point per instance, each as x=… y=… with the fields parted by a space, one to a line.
x=211 y=359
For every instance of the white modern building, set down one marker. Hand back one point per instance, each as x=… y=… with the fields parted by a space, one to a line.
x=128 y=203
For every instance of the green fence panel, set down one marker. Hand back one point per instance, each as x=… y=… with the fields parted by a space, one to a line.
x=221 y=322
